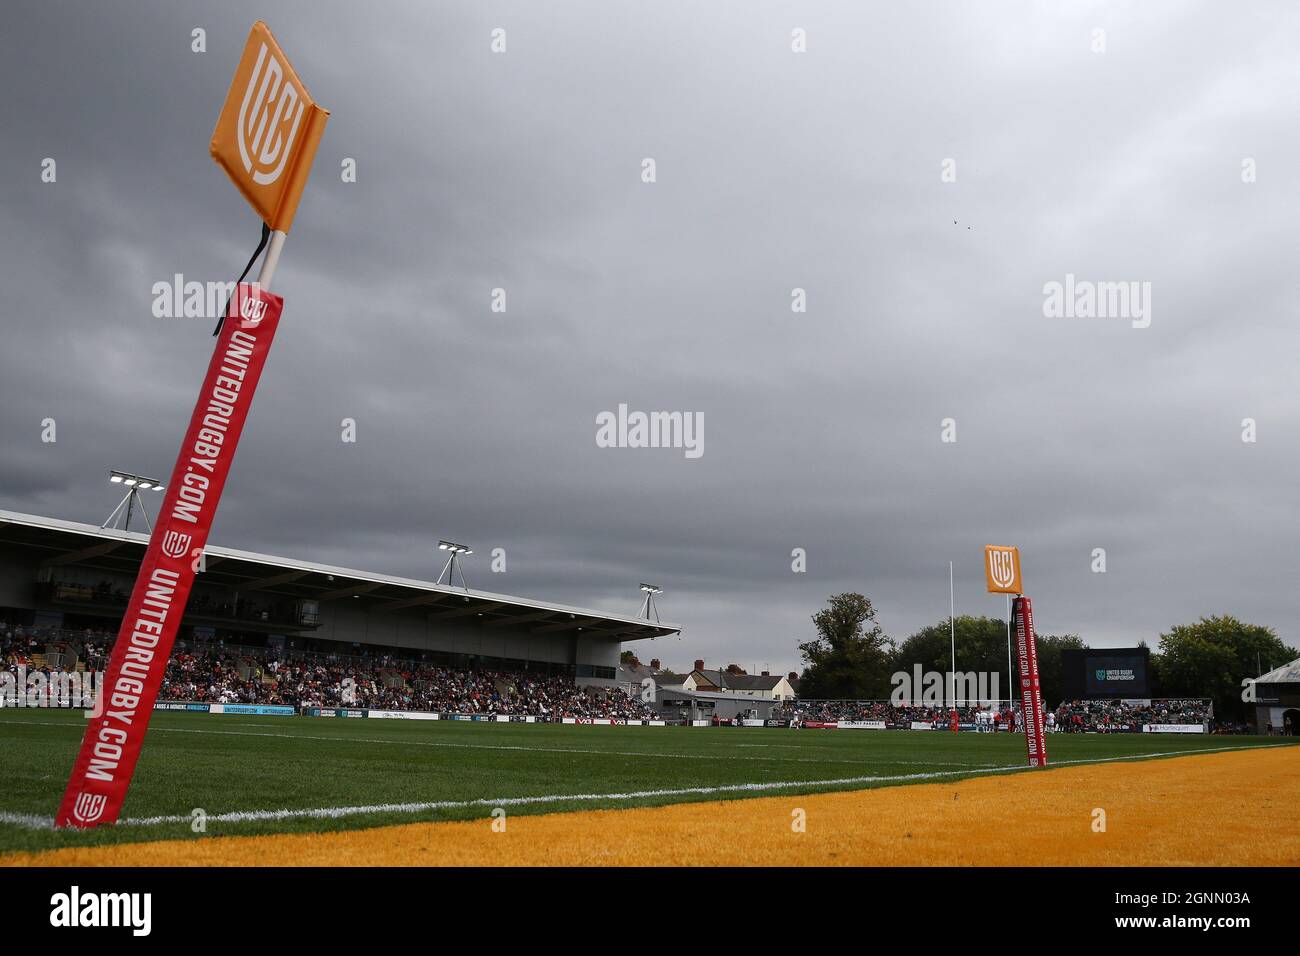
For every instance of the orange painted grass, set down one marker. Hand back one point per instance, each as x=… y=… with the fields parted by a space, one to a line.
x=1216 y=809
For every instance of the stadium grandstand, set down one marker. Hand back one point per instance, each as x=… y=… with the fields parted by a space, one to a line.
x=68 y=583
x=1072 y=716
x=271 y=632
x=1193 y=715
x=218 y=673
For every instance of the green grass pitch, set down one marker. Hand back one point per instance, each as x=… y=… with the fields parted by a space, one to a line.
x=455 y=770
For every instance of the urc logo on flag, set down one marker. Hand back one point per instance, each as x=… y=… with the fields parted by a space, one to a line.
x=268 y=119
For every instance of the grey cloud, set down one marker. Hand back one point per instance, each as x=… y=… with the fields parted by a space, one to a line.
x=819 y=171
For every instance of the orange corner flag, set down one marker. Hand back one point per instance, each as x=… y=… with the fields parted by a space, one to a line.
x=267 y=133
x=1002 y=569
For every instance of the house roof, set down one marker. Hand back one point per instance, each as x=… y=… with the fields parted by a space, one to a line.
x=730 y=681
x=752 y=681
x=635 y=674
x=1286 y=674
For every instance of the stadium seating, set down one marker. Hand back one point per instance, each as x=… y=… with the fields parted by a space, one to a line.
x=213 y=673
x=1119 y=716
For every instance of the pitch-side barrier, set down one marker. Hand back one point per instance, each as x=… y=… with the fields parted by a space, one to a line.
x=286 y=710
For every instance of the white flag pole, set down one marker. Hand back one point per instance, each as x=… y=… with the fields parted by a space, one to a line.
x=952 y=626
x=271 y=260
x=1010 y=680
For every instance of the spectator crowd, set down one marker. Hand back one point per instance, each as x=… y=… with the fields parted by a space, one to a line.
x=1120 y=716
x=834 y=710
x=214 y=673
x=1073 y=716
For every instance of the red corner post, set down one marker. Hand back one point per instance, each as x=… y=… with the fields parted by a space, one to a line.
x=115 y=733
x=1031 y=695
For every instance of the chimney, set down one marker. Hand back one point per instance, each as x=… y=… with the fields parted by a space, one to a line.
x=654 y=663
x=699 y=664
x=766 y=674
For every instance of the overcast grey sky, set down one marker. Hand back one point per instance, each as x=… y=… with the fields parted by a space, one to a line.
x=776 y=170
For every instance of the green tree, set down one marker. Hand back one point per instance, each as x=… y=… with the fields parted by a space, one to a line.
x=849 y=657
x=1213 y=656
x=1051 y=667
x=982 y=647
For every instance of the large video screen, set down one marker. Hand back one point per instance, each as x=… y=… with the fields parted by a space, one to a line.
x=1107 y=673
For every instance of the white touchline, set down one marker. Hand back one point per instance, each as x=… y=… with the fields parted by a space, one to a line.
x=30 y=821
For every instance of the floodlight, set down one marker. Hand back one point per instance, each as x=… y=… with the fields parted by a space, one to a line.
x=648 y=605
x=126 y=507
x=129 y=479
x=451 y=567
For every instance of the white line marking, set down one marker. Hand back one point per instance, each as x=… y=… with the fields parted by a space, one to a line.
x=30 y=821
